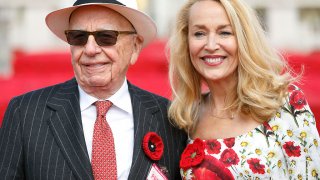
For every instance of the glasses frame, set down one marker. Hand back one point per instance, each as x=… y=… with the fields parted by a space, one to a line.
x=96 y=37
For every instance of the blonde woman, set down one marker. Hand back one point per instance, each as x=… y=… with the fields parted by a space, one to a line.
x=235 y=98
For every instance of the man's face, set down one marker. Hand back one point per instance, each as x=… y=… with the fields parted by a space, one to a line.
x=97 y=67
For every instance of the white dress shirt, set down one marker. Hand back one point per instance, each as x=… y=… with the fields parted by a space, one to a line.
x=120 y=120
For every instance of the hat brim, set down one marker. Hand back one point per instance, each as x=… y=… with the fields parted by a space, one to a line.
x=58 y=21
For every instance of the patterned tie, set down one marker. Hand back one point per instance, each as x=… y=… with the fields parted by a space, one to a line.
x=104 y=163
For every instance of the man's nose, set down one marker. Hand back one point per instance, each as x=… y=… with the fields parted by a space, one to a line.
x=91 y=48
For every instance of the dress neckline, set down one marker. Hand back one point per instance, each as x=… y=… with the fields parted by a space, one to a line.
x=243 y=134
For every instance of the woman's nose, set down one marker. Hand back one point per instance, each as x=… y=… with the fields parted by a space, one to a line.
x=212 y=43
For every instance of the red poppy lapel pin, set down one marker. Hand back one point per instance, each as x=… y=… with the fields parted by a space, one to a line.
x=152 y=146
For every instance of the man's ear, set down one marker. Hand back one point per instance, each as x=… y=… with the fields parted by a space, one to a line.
x=137 y=46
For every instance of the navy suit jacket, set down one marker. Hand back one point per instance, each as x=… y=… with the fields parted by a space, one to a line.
x=42 y=135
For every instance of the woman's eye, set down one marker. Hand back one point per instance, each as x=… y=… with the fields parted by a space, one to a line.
x=225 y=33
x=199 y=34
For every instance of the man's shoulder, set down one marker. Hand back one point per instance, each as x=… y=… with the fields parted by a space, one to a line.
x=47 y=91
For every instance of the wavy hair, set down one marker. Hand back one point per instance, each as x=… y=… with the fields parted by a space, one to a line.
x=263 y=75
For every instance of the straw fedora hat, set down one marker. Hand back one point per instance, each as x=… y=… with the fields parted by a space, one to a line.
x=58 y=21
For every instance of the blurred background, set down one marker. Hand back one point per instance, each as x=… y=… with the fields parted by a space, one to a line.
x=32 y=57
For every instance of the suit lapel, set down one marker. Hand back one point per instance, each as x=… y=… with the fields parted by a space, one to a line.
x=143 y=114
x=66 y=127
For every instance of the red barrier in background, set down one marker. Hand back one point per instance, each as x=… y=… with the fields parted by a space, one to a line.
x=37 y=70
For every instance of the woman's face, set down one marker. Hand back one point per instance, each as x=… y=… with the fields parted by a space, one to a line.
x=212 y=42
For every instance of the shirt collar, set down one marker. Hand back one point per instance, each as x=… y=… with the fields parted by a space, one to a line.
x=120 y=99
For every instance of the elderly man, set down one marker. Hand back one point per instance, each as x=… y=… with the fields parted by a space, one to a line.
x=97 y=125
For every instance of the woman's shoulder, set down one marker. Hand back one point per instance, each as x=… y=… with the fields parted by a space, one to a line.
x=295 y=129
x=294 y=120
x=295 y=111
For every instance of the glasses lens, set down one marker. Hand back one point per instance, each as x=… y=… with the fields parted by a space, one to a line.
x=106 y=38
x=77 y=38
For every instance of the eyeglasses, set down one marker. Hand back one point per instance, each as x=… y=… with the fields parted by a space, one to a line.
x=103 y=38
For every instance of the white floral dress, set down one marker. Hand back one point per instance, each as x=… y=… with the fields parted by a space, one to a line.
x=285 y=147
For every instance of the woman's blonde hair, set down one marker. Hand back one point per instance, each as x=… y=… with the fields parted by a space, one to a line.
x=263 y=75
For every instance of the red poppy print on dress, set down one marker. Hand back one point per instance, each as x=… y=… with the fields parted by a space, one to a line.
x=205 y=174
x=297 y=100
x=229 y=157
x=291 y=149
x=213 y=146
x=193 y=154
x=212 y=169
x=229 y=142
x=255 y=166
